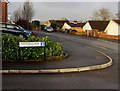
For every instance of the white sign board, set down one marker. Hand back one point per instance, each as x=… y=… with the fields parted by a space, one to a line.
x=31 y=44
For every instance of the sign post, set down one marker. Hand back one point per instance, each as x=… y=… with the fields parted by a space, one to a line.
x=33 y=45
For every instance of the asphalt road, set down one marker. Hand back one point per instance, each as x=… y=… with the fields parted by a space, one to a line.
x=76 y=47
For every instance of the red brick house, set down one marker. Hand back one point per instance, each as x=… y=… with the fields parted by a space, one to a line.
x=3 y=10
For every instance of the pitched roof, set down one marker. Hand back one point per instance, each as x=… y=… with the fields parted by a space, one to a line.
x=100 y=25
x=76 y=24
x=60 y=23
x=117 y=21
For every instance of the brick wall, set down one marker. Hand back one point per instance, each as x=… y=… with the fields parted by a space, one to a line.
x=95 y=33
x=0 y=12
x=78 y=29
x=103 y=35
x=3 y=11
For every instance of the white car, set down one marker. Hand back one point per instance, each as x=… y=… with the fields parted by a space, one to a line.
x=49 y=29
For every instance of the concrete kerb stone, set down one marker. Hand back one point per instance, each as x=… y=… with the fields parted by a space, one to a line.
x=66 y=70
x=29 y=71
x=49 y=71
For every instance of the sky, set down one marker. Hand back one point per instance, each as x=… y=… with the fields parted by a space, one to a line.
x=72 y=10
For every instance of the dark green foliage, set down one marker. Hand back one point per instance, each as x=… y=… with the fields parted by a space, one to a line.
x=35 y=24
x=53 y=24
x=24 y=23
x=43 y=27
x=11 y=51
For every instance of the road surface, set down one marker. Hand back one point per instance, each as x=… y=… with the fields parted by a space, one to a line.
x=77 y=48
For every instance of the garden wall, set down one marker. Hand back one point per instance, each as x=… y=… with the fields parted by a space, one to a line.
x=78 y=29
x=103 y=35
x=95 y=33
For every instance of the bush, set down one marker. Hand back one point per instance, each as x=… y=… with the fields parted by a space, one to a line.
x=24 y=23
x=11 y=50
x=35 y=24
x=43 y=27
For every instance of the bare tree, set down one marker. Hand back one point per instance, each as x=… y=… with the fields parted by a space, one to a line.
x=96 y=15
x=118 y=15
x=102 y=14
x=17 y=14
x=27 y=11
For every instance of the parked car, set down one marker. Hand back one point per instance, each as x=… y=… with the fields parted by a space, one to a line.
x=14 y=29
x=49 y=29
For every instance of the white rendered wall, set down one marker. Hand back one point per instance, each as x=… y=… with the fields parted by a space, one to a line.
x=113 y=28
x=87 y=27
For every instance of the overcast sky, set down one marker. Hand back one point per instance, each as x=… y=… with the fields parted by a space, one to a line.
x=71 y=10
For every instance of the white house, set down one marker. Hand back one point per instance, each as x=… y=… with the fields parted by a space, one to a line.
x=99 y=25
x=66 y=26
x=87 y=27
x=113 y=28
x=73 y=26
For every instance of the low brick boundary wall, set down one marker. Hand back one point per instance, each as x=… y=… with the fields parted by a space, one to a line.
x=93 y=33
x=110 y=37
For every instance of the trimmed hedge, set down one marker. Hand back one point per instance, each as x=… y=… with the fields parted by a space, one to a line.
x=35 y=25
x=11 y=50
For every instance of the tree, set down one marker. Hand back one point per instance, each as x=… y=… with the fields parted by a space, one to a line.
x=118 y=15
x=24 y=23
x=28 y=11
x=102 y=14
x=35 y=24
x=17 y=15
x=53 y=24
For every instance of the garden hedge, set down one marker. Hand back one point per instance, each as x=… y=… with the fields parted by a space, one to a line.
x=11 y=50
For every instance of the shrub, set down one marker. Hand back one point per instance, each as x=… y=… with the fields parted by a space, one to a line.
x=35 y=24
x=53 y=24
x=11 y=50
x=24 y=23
x=43 y=26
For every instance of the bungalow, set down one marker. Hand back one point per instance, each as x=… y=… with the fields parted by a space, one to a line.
x=99 y=25
x=59 y=23
x=93 y=27
x=113 y=28
x=75 y=26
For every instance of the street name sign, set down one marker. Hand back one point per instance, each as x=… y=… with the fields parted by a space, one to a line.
x=31 y=44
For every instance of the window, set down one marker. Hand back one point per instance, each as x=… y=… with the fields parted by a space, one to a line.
x=16 y=27
x=10 y=26
x=2 y=25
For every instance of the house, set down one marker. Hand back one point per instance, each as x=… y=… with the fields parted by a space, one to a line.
x=99 y=25
x=66 y=26
x=3 y=10
x=113 y=28
x=73 y=26
x=93 y=28
x=58 y=23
